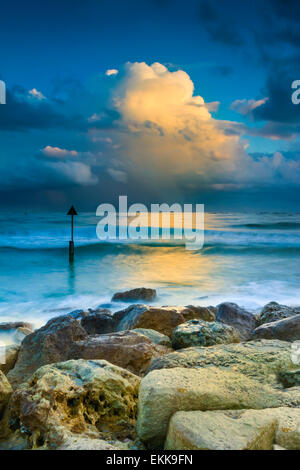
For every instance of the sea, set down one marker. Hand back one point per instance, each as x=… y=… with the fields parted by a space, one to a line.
x=247 y=258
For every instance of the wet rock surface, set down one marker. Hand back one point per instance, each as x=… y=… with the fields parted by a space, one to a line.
x=287 y=329
x=60 y=391
x=141 y=293
x=128 y=349
x=52 y=342
x=202 y=333
x=274 y=311
x=161 y=319
x=231 y=314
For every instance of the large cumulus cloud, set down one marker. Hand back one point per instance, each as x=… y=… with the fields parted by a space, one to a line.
x=141 y=126
x=167 y=137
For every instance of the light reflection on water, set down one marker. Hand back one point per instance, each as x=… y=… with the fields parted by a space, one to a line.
x=248 y=259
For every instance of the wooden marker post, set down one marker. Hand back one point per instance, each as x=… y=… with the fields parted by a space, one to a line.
x=72 y=212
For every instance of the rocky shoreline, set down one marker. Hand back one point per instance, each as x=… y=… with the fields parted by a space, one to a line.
x=148 y=377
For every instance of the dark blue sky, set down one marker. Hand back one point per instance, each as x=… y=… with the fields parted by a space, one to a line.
x=69 y=132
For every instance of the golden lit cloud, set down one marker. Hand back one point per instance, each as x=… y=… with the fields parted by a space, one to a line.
x=169 y=131
x=166 y=137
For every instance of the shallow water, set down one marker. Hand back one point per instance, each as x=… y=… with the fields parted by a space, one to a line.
x=250 y=259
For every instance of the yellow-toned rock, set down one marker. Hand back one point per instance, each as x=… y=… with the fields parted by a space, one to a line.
x=213 y=430
x=273 y=428
x=88 y=398
x=5 y=391
x=163 y=392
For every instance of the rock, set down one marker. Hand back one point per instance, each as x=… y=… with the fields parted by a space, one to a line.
x=287 y=434
x=47 y=345
x=141 y=293
x=91 y=398
x=277 y=428
x=11 y=355
x=274 y=311
x=99 y=321
x=202 y=313
x=287 y=329
x=161 y=319
x=155 y=336
x=164 y=392
x=5 y=392
x=288 y=429
x=235 y=316
x=52 y=342
x=15 y=442
x=214 y=430
x=128 y=349
x=202 y=333
x=75 y=442
x=15 y=325
x=260 y=360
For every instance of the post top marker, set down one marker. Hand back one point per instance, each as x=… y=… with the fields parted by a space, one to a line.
x=72 y=211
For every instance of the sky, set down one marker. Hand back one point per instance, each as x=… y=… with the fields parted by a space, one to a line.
x=160 y=100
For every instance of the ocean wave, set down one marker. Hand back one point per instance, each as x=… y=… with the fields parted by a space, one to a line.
x=271 y=226
x=233 y=238
x=89 y=241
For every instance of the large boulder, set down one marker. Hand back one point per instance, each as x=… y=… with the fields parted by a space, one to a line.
x=237 y=317
x=52 y=342
x=263 y=360
x=287 y=329
x=163 y=392
x=274 y=311
x=5 y=392
x=141 y=293
x=263 y=363
x=202 y=333
x=128 y=349
x=161 y=319
x=217 y=430
x=235 y=430
x=81 y=398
